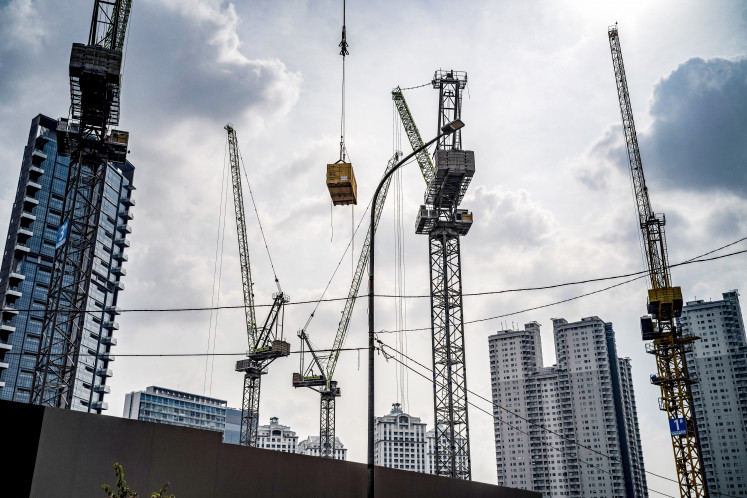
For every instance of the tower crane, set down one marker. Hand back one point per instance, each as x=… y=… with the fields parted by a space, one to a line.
x=86 y=136
x=266 y=344
x=319 y=373
x=664 y=307
x=444 y=223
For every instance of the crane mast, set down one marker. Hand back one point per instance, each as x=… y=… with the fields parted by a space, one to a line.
x=265 y=344
x=444 y=223
x=86 y=136
x=664 y=307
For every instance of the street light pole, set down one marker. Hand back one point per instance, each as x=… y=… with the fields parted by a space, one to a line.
x=445 y=130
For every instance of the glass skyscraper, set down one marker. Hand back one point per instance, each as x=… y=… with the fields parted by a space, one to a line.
x=27 y=265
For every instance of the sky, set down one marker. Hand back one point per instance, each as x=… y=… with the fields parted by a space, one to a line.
x=551 y=196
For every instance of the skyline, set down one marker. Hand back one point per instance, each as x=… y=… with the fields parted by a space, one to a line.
x=551 y=197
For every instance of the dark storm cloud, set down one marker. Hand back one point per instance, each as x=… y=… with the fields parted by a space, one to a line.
x=699 y=135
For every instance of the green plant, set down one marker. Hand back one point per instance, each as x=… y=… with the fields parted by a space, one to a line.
x=124 y=491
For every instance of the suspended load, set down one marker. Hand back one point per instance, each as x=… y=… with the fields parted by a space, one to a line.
x=340 y=177
x=341 y=184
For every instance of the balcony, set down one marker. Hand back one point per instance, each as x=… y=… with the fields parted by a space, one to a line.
x=35 y=173
x=100 y=405
x=118 y=270
x=16 y=278
x=109 y=341
x=120 y=256
x=23 y=235
x=37 y=157
x=126 y=214
x=6 y=329
x=113 y=309
x=120 y=286
x=9 y=312
x=106 y=356
x=121 y=242
x=110 y=325
x=30 y=203
x=32 y=187
x=11 y=295
x=22 y=249
x=104 y=372
x=27 y=218
x=102 y=389
x=124 y=229
x=127 y=201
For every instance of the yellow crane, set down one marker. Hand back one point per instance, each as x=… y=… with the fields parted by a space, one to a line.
x=664 y=306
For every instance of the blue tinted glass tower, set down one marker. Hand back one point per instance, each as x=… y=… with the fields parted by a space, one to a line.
x=27 y=266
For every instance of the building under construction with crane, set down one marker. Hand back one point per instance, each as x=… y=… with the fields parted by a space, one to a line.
x=62 y=266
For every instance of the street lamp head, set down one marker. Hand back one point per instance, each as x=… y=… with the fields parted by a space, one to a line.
x=453 y=126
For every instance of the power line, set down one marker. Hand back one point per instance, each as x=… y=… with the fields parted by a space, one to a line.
x=178 y=355
x=495 y=417
x=637 y=275
x=496 y=405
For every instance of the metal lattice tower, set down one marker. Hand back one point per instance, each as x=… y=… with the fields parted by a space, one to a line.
x=265 y=344
x=664 y=306
x=95 y=75
x=445 y=224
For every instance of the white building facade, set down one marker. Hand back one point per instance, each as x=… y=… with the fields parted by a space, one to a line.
x=400 y=441
x=587 y=397
x=310 y=446
x=168 y=406
x=719 y=363
x=276 y=437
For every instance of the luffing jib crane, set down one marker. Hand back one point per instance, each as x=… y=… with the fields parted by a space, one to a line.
x=444 y=223
x=266 y=343
x=664 y=307
x=319 y=373
x=88 y=138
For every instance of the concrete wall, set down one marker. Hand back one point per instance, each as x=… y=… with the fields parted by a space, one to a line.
x=67 y=453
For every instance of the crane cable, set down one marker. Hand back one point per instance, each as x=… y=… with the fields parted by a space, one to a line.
x=259 y=222
x=343 y=52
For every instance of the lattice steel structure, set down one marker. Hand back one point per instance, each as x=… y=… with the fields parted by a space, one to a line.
x=445 y=224
x=95 y=75
x=664 y=306
x=265 y=344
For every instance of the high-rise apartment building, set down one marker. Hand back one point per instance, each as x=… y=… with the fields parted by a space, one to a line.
x=542 y=411
x=719 y=363
x=310 y=446
x=276 y=437
x=27 y=265
x=167 y=406
x=400 y=442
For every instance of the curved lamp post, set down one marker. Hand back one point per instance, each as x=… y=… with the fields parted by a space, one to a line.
x=445 y=130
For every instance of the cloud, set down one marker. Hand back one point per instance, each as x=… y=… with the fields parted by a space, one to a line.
x=207 y=73
x=696 y=140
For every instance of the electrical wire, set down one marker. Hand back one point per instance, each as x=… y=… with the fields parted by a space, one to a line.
x=546 y=443
x=638 y=275
x=259 y=222
x=219 y=243
x=431 y=379
x=183 y=355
